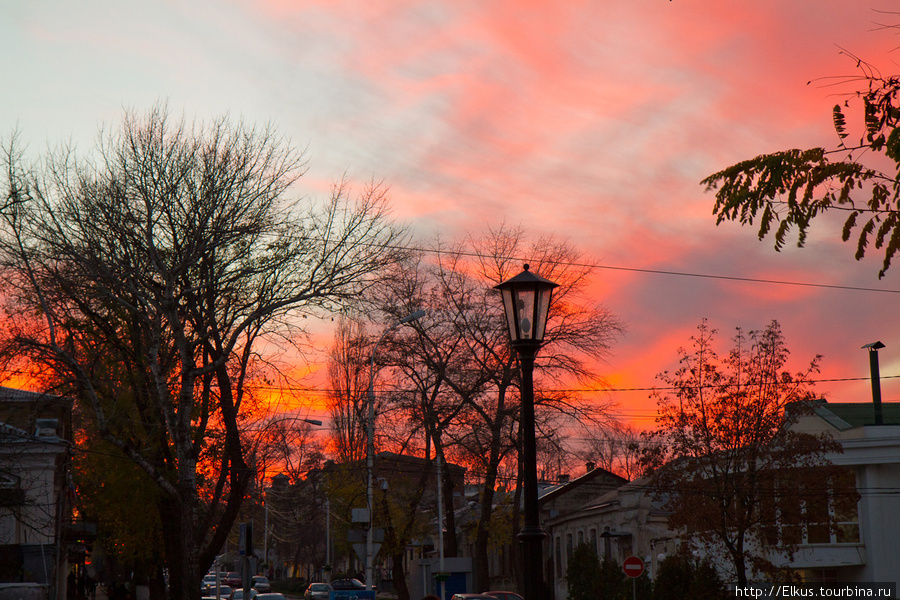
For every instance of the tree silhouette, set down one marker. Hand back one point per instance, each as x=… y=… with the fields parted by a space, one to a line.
x=729 y=464
x=155 y=268
x=788 y=189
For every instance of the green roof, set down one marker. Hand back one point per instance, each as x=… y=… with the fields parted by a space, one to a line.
x=857 y=414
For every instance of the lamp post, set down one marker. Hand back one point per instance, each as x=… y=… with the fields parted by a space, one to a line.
x=526 y=302
x=370 y=442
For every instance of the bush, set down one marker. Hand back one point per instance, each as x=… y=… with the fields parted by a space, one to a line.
x=293 y=585
x=583 y=573
x=682 y=576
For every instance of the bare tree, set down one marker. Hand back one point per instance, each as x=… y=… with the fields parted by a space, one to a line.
x=155 y=269
x=616 y=448
x=290 y=446
x=348 y=376
x=433 y=372
x=458 y=367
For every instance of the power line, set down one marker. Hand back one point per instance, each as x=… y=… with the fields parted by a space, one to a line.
x=592 y=265
x=750 y=279
x=319 y=390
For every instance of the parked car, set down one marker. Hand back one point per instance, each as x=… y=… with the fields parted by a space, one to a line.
x=271 y=596
x=238 y=594
x=261 y=584
x=224 y=591
x=472 y=597
x=317 y=591
x=504 y=595
x=347 y=584
x=234 y=579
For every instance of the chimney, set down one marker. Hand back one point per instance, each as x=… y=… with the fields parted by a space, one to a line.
x=589 y=466
x=564 y=478
x=876 y=380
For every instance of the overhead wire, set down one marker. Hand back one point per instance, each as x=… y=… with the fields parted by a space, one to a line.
x=596 y=265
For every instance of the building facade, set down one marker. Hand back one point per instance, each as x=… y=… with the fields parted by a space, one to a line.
x=34 y=507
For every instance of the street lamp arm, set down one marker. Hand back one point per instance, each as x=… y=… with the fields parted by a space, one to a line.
x=411 y=317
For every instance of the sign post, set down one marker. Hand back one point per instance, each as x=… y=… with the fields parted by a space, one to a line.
x=634 y=568
x=245 y=546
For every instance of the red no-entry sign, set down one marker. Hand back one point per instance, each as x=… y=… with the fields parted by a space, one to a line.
x=633 y=566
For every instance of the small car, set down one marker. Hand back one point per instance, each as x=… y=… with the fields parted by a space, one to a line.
x=504 y=595
x=210 y=591
x=472 y=597
x=317 y=591
x=261 y=584
x=347 y=584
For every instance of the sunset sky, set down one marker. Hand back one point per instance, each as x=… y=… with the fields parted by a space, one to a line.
x=590 y=120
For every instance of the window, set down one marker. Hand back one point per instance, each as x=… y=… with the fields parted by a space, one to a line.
x=818 y=575
x=823 y=514
x=558 y=556
x=11 y=492
x=625 y=547
x=844 y=508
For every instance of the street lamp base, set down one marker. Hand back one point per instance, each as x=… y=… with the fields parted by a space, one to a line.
x=531 y=533
x=531 y=537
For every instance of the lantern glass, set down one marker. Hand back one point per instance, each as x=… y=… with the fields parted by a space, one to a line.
x=525 y=306
x=510 y=310
x=541 y=310
x=526 y=300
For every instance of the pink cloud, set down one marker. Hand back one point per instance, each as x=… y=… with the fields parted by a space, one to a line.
x=592 y=120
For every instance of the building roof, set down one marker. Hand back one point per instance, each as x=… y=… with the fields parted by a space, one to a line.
x=8 y=394
x=607 y=480
x=847 y=415
x=35 y=412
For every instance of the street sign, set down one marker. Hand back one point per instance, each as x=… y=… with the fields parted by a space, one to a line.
x=359 y=515
x=245 y=542
x=633 y=566
x=351 y=595
x=361 y=550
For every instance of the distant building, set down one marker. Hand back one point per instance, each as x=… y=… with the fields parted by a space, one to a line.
x=572 y=494
x=34 y=507
x=616 y=523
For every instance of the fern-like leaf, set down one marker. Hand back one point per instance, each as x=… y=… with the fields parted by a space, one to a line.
x=840 y=123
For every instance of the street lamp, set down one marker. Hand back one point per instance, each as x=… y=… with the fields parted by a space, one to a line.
x=526 y=301
x=370 y=442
